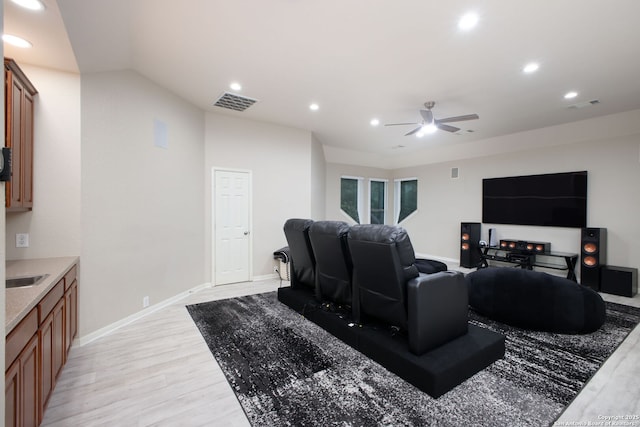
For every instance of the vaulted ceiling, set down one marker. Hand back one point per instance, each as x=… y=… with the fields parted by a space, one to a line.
x=359 y=60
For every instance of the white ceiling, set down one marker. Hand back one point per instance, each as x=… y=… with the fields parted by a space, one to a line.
x=359 y=59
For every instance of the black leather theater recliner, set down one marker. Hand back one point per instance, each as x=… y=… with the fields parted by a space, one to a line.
x=303 y=263
x=437 y=348
x=387 y=286
x=333 y=261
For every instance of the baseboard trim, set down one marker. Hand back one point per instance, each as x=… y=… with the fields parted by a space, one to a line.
x=136 y=316
x=265 y=277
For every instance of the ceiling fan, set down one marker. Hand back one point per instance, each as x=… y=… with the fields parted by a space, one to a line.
x=429 y=124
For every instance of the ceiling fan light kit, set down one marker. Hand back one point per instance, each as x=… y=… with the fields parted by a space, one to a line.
x=429 y=124
x=427 y=129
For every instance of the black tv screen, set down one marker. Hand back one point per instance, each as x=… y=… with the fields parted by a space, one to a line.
x=556 y=200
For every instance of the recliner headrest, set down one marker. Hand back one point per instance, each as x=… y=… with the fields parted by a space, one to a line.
x=391 y=235
x=297 y=224
x=333 y=228
x=378 y=233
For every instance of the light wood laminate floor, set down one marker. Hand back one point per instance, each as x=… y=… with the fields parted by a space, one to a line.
x=158 y=371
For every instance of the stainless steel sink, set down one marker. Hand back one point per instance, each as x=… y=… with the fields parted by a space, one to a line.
x=22 y=282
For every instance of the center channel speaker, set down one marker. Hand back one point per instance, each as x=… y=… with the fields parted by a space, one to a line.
x=525 y=247
x=593 y=251
x=469 y=244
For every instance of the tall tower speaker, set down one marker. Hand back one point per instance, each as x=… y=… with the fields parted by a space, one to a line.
x=593 y=251
x=469 y=249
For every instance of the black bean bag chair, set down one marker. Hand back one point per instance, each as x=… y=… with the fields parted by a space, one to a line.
x=535 y=300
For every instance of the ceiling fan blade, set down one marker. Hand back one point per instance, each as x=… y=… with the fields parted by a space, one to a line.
x=401 y=124
x=413 y=131
x=448 y=128
x=427 y=115
x=458 y=118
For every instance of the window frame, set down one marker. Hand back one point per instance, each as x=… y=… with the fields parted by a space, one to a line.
x=397 y=202
x=359 y=198
x=385 y=197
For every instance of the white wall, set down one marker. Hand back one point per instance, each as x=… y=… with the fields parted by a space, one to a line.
x=54 y=223
x=135 y=213
x=142 y=206
x=318 y=180
x=613 y=200
x=612 y=162
x=280 y=159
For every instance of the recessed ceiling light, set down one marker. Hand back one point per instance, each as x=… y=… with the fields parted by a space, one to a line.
x=468 y=21
x=314 y=107
x=531 y=67
x=30 y=4
x=235 y=86
x=374 y=122
x=16 y=41
x=570 y=95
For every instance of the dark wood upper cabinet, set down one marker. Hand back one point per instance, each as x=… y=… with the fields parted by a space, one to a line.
x=19 y=102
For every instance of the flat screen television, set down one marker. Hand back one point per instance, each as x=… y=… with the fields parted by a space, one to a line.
x=555 y=200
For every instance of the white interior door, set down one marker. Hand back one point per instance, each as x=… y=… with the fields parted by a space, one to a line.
x=231 y=226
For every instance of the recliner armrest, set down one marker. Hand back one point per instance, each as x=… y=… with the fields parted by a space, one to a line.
x=437 y=306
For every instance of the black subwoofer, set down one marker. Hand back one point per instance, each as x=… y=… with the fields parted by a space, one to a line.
x=593 y=251
x=621 y=281
x=469 y=244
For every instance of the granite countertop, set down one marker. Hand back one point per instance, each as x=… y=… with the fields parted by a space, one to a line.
x=19 y=301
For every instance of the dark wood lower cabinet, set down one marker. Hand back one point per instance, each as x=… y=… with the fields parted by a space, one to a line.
x=21 y=388
x=52 y=351
x=12 y=395
x=30 y=374
x=59 y=341
x=71 y=314
x=36 y=352
x=46 y=360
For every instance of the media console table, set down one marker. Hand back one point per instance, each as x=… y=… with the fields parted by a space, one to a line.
x=528 y=261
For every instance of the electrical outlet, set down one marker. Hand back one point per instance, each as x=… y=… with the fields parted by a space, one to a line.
x=22 y=240
x=275 y=269
x=145 y=302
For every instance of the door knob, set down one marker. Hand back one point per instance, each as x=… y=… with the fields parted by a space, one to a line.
x=246 y=233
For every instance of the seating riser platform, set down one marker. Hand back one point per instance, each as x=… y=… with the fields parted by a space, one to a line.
x=435 y=372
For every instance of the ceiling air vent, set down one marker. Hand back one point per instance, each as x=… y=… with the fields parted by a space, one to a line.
x=584 y=104
x=231 y=101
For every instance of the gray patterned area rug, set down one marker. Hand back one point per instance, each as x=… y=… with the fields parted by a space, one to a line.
x=285 y=370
